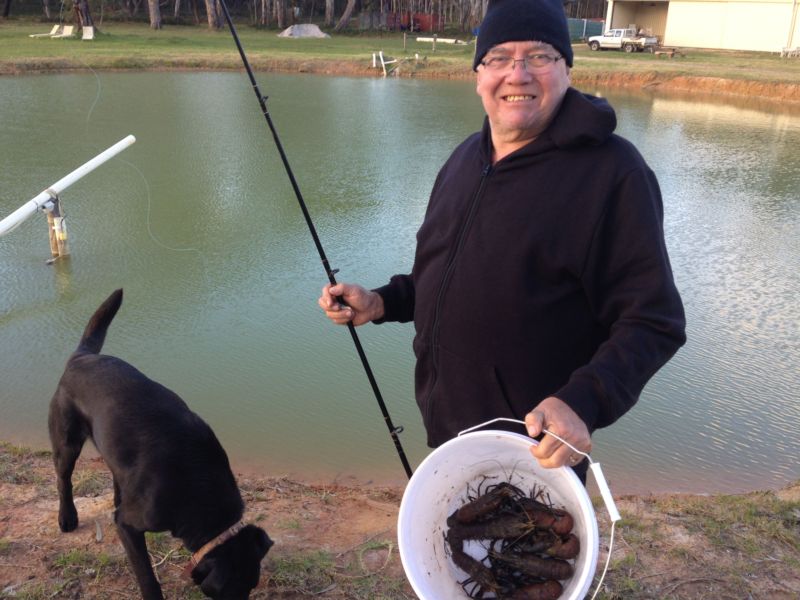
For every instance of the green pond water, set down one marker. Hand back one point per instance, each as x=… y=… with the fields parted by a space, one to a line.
x=198 y=222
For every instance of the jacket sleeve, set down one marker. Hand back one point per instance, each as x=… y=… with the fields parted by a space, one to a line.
x=398 y=299
x=628 y=283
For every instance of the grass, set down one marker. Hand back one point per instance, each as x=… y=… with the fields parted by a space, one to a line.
x=136 y=46
x=14 y=463
x=356 y=576
x=677 y=547
x=743 y=523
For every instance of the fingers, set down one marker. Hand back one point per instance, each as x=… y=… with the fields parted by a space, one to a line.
x=346 y=302
x=557 y=417
x=334 y=310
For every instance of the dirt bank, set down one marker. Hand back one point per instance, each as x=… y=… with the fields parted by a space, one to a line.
x=340 y=542
x=780 y=92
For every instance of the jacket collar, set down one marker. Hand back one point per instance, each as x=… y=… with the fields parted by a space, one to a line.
x=582 y=120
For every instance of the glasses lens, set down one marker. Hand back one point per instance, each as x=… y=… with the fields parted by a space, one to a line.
x=532 y=62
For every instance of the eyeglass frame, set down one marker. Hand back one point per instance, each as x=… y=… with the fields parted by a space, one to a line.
x=526 y=65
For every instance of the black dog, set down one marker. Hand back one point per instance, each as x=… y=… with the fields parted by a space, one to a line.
x=169 y=470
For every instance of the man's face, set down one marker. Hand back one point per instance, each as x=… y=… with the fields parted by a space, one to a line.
x=521 y=102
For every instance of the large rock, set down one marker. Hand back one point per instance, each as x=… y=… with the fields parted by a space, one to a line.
x=304 y=30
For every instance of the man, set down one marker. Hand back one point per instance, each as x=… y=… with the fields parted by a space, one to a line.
x=541 y=286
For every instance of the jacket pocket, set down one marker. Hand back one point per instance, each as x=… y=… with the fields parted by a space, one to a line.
x=457 y=394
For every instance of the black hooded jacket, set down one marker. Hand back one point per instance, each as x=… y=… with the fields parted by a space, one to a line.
x=545 y=274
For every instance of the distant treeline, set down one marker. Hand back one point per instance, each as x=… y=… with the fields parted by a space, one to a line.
x=436 y=15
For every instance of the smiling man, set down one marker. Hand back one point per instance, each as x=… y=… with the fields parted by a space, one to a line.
x=541 y=288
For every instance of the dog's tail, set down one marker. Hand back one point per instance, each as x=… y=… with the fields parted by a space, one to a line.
x=95 y=333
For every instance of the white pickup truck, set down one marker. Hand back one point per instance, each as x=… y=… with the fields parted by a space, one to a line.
x=623 y=39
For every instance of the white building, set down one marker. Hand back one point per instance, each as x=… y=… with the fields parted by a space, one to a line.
x=767 y=25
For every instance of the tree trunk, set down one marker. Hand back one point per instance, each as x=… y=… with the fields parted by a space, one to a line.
x=348 y=12
x=7 y=9
x=266 y=12
x=214 y=21
x=329 y=13
x=177 y=12
x=280 y=13
x=155 y=14
x=46 y=8
x=81 y=8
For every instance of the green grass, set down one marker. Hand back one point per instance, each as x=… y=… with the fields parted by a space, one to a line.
x=15 y=464
x=744 y=523
x=120 y=45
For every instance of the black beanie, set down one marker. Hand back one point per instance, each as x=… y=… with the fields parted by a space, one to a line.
x=522 y=21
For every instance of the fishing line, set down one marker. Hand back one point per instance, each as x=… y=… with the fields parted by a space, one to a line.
x=153 y=237
x=262 y=100
x=96 y=97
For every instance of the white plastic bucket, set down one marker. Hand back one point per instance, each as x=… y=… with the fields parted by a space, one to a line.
x=440 y=485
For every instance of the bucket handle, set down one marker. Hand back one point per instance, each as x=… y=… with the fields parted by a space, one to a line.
x=599 y=478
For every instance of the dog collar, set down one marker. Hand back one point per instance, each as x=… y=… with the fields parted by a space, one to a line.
x=209 y=546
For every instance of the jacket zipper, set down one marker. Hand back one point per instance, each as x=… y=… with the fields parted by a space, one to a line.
x=448 y=271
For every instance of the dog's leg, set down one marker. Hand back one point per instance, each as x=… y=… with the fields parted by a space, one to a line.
x=67 y=438
x=136 y=549
x=117 y=495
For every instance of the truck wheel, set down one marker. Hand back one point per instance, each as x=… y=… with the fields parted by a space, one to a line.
x=628 y=47
x=594 y=46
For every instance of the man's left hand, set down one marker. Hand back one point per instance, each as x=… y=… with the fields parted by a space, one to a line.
x=555 y=415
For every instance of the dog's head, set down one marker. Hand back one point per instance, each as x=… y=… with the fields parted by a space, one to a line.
x=232 y=569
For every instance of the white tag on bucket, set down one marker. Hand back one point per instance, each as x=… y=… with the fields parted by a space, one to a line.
x=604 y=491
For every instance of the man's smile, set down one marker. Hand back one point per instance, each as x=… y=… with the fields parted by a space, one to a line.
x=518 y=98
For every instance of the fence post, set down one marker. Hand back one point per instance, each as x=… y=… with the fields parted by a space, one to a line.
x=57 y=229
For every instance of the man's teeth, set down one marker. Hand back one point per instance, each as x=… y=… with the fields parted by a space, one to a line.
x=518 y=98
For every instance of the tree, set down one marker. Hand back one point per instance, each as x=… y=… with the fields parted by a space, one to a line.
x=280 y=13
x=155 y=14
x=81 y=8
x=7 y=9
x=329 y=6
x=348 y=11
x=214 y=18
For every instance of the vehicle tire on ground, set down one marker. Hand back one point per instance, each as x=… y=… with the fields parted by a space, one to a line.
x=594 y=45
x=628 y=48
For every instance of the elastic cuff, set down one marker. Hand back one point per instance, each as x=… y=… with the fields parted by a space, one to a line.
x=581 y=395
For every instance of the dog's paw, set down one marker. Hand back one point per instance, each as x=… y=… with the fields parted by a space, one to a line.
x=68 y=519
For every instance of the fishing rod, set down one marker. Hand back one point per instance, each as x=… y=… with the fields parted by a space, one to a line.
x=262 y=100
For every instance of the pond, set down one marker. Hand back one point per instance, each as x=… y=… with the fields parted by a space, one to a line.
x=198 y=223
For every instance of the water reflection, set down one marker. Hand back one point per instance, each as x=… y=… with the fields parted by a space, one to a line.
x=199 y=223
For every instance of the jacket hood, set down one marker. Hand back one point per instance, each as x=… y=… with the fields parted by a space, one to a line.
x=582 y=120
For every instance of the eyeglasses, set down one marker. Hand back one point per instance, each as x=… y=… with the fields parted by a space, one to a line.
x=531 y=63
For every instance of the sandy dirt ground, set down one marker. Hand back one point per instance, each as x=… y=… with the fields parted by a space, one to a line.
x=340 y=542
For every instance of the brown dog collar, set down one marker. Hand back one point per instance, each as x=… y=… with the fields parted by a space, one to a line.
x=209 y=546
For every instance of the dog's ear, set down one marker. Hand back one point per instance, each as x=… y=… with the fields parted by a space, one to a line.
x=261 y=542
x=210 y=576
x=233 y=569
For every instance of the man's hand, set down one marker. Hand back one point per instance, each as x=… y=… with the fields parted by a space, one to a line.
x=362 y=305
x=556 y=416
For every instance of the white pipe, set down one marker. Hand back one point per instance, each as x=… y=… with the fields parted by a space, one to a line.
x=16 y=218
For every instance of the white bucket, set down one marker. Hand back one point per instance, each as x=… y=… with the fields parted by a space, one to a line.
x=439 y=486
